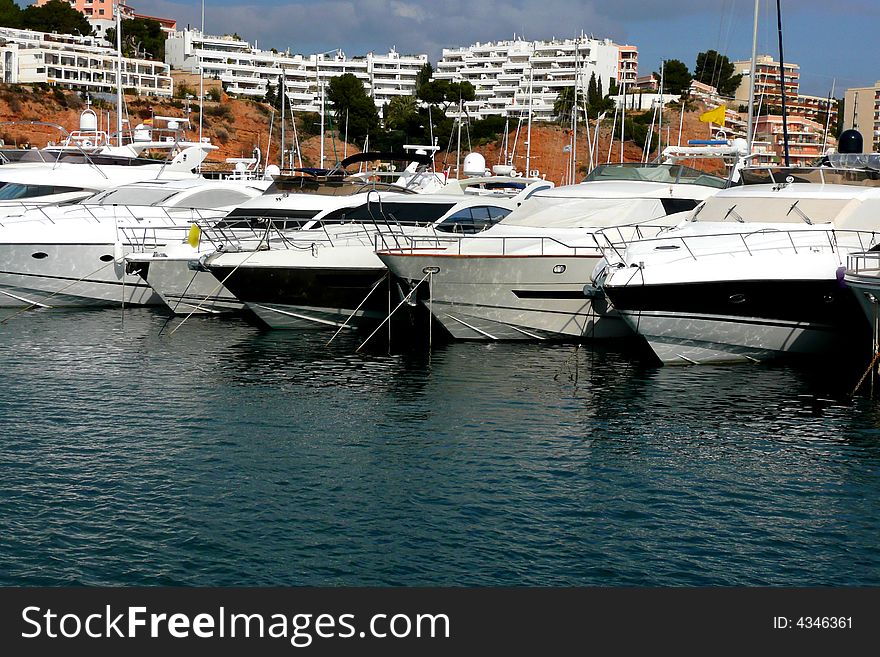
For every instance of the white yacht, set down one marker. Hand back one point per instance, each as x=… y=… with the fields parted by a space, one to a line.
x=524 y=278
x=862 y=276
x=73 y=255
x=26 y=185
x=755 y=272
x=291 y=203
x=324 y=276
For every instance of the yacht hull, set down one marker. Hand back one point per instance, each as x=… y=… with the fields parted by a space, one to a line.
x=509 y=297
x=308 y=297
x=68 y=275
x=866 y=290
x=183 y=290
x=742 y=321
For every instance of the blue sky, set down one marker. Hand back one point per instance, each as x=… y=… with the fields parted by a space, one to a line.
x=828 y=39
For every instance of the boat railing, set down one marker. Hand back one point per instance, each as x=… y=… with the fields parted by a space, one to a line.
x=485 y=245
x=761 y=241
x=162 y=225
x=863 y=263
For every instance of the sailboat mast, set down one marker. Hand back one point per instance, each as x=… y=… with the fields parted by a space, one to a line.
x=282 y=84
x=118 y=75
x=458 y=146
x=202 y=84
x=782 y=85
x=753 y=75
x=529 y=128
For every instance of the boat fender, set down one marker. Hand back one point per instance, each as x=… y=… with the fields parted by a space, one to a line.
x=593 y=292
x=839 y=274
x=118 y=254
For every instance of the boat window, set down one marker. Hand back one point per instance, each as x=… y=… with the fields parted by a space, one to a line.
x=473 y=220
x=662 y=173
x=542 y=188
x=259 y=219
x=211 y=199
x=410 y=214
x=15 y=191
x=133 y=196
x=673 y=205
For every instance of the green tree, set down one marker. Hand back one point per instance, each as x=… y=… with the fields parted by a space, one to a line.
x=445 y=93
x=592 y=90
x=349 y=101
x=400 y=112
x=715 y=69
x=10 y=14
x=272 y=96
x=140 y=36
x=424 y=76
x=55 y=16
x=563 y=103
x=676 y=76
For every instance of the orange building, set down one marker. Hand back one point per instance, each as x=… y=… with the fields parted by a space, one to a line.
x=96 y=8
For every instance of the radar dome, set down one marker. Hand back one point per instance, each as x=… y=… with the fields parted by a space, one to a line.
x=474 y=165
x=88 y=121
x=272 y=170
x=741 y=146
x=850 y=141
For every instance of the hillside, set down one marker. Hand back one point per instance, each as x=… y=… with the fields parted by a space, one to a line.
x=237 y=126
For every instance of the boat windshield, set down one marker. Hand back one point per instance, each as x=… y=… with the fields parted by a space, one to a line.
x=662 y=173
x=16 y=191
x=767 y=209
x=132 y=196
x=837 y=175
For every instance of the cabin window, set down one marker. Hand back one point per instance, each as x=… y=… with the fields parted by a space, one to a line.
x=15 y=191
x=473 y=220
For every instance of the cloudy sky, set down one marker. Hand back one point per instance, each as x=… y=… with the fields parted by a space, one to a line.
x=830 y=40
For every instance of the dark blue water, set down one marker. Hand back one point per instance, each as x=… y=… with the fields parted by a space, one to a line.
x=221 y=455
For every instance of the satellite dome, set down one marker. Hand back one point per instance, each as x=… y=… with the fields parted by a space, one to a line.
x=474 y=165
x=850 y=141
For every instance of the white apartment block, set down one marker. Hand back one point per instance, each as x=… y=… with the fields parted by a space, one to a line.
x=863 y=114
x=510 y=77
x=246 y=70
x=77 y=63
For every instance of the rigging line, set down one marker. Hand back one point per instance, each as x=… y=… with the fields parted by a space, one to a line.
x=388 y=319
x=344 y=324
x=212 y=292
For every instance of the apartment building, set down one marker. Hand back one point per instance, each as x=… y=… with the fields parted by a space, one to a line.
x=510 y=77
x=863 y=114
x=101 y=14
x=807 y=141
x=77 y=63
x=245 y=70
x=96 y=8
x=767 y=90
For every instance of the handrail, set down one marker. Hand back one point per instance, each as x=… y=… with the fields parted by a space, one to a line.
x=836 y=241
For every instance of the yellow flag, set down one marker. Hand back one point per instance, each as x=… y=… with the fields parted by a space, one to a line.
x=195 y=234
x=715 y=116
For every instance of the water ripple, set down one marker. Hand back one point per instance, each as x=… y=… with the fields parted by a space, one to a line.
x=222 y=455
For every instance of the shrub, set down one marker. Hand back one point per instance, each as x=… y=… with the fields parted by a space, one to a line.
x=183 y=90
x=214 y=95
x=222 y=111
